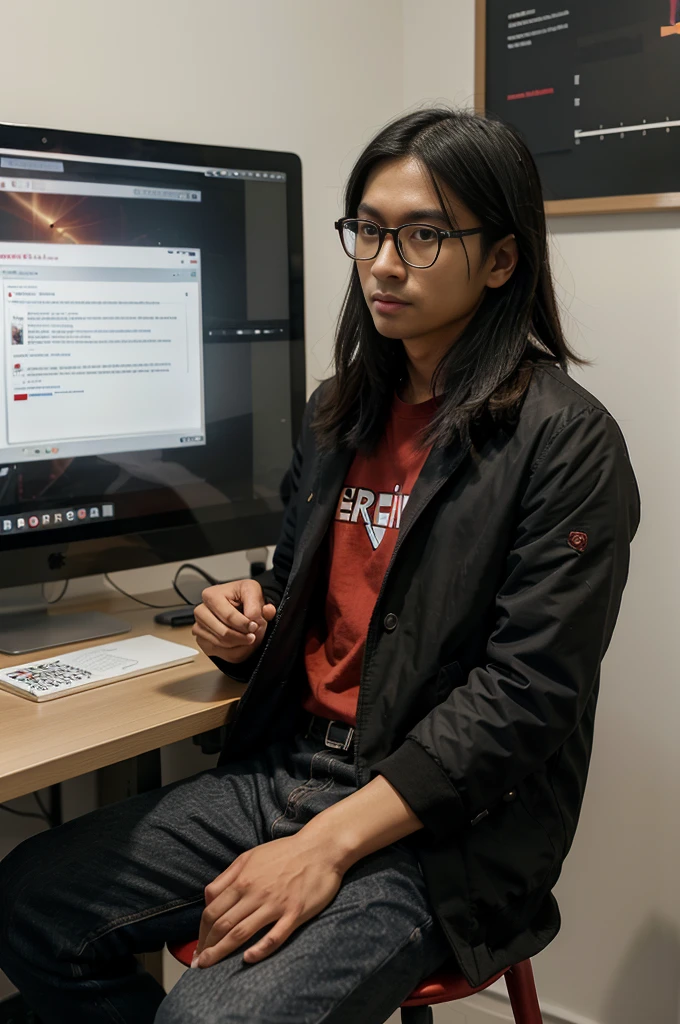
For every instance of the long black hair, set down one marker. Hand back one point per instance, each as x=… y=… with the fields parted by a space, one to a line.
x=486 y=373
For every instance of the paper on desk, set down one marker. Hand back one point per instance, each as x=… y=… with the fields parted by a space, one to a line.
x=93 y=666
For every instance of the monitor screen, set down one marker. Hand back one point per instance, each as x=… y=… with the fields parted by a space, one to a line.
x=151 y=377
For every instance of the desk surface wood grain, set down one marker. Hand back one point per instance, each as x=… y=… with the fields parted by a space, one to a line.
x=41 y=744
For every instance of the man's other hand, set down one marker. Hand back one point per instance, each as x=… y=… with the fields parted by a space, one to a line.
x=232 y=620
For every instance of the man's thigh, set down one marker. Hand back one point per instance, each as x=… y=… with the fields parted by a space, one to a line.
x=100 y=884
x=352 y=964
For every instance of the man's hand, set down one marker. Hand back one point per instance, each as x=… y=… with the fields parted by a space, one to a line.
x=284 y=883
x=232 y=620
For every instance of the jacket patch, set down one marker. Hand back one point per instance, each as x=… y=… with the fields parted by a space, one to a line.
x=578 y=540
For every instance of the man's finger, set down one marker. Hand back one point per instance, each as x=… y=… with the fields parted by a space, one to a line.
x=252 y=600
x=221 y=633
x=223 y=608
x=235 y=643
x=273 y=940
x=236 y=937
x=212 y=913
x=207 y=646
x=225 y=916
x=215 y=648
x=225 y=878
x=210 y=621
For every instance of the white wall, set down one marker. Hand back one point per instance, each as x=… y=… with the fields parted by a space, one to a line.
x=318 y=78
x=619 y=893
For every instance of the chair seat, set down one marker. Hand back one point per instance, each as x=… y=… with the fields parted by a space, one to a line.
x=443 y=986
x=183 y=951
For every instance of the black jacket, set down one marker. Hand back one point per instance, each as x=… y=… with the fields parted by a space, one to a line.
x=482 y=659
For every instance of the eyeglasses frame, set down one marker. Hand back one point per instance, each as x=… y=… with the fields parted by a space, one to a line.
x=383 y=232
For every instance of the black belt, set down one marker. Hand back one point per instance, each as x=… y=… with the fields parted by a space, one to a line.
x=332 y=733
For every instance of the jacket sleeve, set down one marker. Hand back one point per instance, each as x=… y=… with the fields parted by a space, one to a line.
x=554 y=617
x=274 y=580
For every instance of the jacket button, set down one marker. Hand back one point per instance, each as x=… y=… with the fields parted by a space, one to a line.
x=510 y=796
x=390 y=622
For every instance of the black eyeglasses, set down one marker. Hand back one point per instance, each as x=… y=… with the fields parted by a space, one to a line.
x=417 y=244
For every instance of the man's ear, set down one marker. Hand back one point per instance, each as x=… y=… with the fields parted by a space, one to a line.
x=502 y=262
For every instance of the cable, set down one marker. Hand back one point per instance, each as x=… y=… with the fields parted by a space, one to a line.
x=44 y=815
x=139 y=600
x=201 y=572
x=23 y=814
x=43 y=810
x=185 y=565
x=55 y=600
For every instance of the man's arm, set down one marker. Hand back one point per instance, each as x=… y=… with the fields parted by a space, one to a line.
x=290 y=880
x=375 y=816
x=555 y=614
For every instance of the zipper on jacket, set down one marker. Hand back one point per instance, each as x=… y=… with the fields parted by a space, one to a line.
x=403 y=534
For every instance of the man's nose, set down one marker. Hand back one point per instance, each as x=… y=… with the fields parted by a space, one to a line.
x=388 y=262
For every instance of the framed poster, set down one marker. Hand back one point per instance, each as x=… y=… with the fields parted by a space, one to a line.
x=594 y=87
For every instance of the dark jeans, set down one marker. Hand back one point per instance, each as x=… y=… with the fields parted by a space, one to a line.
x=78 y=901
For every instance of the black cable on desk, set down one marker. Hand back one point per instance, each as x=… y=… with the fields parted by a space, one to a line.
x=139 y=600
x=210 y=580
x=55 y=600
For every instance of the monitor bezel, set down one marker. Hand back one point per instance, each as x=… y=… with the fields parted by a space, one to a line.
x=59 y=559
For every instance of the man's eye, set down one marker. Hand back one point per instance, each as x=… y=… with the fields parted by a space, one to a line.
x=425 y=235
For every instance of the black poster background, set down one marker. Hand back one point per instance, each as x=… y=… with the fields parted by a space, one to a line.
x=590 y=66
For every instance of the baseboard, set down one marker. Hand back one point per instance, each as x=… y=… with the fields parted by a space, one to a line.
x=493 y=1007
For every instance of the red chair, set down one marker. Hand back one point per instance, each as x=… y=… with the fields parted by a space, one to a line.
x=443 y=986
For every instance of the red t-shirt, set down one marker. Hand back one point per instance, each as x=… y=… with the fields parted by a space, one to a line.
x=359 y=546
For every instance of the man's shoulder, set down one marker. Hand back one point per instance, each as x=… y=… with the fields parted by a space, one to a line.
x=554 y=395
x=556 y=406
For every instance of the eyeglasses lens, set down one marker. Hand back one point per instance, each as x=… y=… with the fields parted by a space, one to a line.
x=418 y=243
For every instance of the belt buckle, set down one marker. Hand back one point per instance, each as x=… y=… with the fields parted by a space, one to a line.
x=336 y=744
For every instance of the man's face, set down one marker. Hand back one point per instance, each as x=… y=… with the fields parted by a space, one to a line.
x=434 y=302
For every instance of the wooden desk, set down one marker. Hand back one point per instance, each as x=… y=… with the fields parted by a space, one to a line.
x=41 y=744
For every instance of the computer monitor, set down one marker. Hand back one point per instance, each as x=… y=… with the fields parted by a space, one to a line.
x=152 y=377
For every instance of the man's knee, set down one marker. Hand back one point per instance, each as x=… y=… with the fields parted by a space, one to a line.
x=176 y=1008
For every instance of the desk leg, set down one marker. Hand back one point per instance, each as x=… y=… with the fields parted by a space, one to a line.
x=127 y=778
x=119 y=781
x=56 y=815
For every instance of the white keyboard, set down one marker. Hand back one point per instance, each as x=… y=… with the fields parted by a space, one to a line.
x=93 y=666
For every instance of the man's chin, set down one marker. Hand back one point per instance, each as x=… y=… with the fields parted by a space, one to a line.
x=387 y=330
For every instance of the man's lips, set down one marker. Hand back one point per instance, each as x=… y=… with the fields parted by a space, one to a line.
x=388 y=303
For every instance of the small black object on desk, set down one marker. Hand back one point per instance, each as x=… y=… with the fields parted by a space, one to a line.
x=182 y=616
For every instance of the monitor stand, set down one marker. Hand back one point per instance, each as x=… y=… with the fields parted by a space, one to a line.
x=27 y=623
